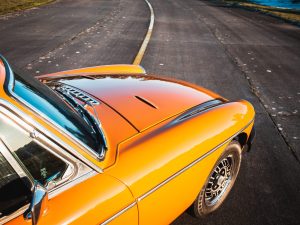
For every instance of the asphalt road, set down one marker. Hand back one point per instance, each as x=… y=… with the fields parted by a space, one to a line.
x=234 y=52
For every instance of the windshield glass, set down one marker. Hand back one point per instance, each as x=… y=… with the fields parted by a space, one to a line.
x=47 y=102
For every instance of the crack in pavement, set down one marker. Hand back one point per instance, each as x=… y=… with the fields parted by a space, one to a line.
x=252 y=88
x=254 y=91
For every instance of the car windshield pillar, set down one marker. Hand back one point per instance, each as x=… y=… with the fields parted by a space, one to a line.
x=48 y=104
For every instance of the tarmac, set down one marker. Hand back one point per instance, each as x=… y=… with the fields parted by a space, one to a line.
x=237 y=53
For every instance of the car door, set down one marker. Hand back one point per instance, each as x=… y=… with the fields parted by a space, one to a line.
x=77 y=194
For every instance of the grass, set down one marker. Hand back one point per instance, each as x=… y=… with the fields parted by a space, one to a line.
x=8 y=6
x=290 y=15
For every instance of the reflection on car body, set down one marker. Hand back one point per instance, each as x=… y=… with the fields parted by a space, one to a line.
x=113 y=145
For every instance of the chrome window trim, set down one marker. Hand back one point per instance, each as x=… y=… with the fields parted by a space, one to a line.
x=12 y=161
x=56 y=126
x=52 y=194
x=10 y=74
x=47 y=143
x=14 y=215
x=146 y=194
x=71 y=183
x=19 y=170
x=71 y=163
x=9 y=108
x=62 y=185
x=41 y=140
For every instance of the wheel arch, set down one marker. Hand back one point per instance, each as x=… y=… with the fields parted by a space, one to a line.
x=241 y=138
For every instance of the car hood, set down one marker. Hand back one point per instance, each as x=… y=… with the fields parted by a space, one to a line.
x=142 y=100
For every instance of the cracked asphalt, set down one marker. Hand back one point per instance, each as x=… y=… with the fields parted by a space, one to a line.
x=232 y=51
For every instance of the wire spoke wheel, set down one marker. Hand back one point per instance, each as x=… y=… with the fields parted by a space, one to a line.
x=219 y=182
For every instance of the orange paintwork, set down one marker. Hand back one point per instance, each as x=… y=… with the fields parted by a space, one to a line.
x=89 y=202
x=125 y=93
x=160 y=152
x=146 y=147
x=97 y=70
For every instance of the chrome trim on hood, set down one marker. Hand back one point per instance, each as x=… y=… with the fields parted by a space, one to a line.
x=83 y=146
x=199 y=109
x=81 y=95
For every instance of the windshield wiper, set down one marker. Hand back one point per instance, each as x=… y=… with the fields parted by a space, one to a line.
x=88 y=118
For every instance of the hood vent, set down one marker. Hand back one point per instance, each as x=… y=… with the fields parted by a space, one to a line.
x=80 y=95
x=199 y=109
x=146 y=102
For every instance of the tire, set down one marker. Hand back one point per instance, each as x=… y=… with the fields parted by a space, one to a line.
x=219 y=182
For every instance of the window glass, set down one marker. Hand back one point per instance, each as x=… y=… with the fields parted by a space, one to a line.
x=45 y=100
x=14 y=193
x=41 y=163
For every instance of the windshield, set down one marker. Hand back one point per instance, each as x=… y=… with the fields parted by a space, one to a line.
x=47 y=102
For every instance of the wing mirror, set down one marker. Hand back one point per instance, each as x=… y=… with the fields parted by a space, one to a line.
x=38 y=205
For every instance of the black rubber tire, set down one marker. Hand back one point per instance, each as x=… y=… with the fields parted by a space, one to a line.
x=200 y=208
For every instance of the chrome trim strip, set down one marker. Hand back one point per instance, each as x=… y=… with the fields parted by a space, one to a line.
x=14 y=110
x=13 y=162
x=56 y=126
x=199 y=109
x=19 y=170
x=81 y=95
x=71 y=163
x=61 y=186
x=67 y=185
x=174 y=175
x=10 y=73
x=118 y=213
x=191 y=164
x=76 y=167
x=52 y=194
x=14 y=215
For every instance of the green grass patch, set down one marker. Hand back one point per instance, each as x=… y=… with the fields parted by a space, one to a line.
x=290 y=15
x=8 y=6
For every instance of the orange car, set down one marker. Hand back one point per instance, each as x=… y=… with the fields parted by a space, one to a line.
x=112 y=145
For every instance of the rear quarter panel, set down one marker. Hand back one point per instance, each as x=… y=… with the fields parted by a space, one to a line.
x=148 y=163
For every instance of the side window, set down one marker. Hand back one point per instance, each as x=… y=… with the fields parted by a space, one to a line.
x=14 y=191
x=42 y=164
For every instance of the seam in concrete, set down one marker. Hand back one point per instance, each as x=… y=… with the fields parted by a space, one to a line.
x=141 y=52
x=251 y=86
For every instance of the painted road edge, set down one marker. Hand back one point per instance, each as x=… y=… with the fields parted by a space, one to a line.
x=140 y=54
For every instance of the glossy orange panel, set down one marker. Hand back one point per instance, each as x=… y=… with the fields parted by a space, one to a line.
x=173 y=198
x=150 y=154
x=91 y=202
x=143 y=100
x=156 y=154
x=116 y=130
x=111 y=121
